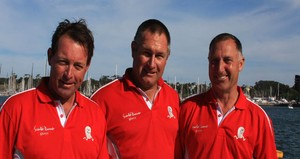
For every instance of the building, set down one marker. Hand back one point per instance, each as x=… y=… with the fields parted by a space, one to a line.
x=297 y=83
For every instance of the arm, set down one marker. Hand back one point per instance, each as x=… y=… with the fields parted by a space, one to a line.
x=7 y=133
x=103 y=143
x=265 y=147
x=180 y=140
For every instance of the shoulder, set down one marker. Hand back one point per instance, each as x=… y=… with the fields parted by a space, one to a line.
x=86 y=100
x=194 y=99
x=251 y=106
x=19 y=100
x=21 y=96
x=190 y=104
x=89 y=105
x=166 y=85
x=168 y=89
x=257 y=111
x=246 y=104
x=109 y=87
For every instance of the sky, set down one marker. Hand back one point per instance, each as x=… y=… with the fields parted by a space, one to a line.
x=268 y=29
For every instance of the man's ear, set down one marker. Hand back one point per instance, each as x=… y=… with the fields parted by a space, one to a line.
x=49 y=55
x=133 y=48
x=241 y=64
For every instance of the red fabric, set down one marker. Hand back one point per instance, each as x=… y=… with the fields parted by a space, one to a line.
x=135 y=130
x=29 y=123
x=201 y=137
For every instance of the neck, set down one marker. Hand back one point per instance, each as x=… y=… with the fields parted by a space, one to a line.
x=68 y=104
x=151 y=92
x=226 y=100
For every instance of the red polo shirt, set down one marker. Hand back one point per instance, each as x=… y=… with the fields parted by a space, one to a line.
x=30 y=127
x=135 y=130
x=246 y=132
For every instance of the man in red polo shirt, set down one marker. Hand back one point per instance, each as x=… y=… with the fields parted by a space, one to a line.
x=140 y=108
x=54 y=120
x=223 y=123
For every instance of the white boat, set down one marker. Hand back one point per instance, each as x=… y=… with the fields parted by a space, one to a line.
x=290 y=106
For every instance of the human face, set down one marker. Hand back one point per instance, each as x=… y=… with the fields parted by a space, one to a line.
x=225 y=63
x=150 y=57
x=68 y=67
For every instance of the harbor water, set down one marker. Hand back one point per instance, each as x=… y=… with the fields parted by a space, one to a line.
x=2 y=99
x=286 y=124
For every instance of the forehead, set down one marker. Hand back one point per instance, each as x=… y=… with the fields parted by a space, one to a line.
x=147 y=34
x=70 y=48
x=158 y=40
x=225 y=48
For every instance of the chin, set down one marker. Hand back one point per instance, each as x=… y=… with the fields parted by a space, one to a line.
x=220 y=86
x=65 y=94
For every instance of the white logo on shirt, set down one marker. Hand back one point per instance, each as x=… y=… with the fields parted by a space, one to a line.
x=43 y=130
x=170 y=111
x=131 y=115
x=88 y=133
x=240 y=133
x=199 y=128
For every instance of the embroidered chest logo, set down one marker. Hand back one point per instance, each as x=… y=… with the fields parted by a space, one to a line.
x=131 y=115
x=43 y=130
x=197 y=128
x=88 y=133
x=170 y=112
x=240 y=133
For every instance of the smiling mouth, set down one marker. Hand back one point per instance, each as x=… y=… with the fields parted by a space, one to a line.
x=149 y=73
x=221 y=77
x=67 y=84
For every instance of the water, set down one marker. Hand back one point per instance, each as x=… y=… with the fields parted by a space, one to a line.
x=286 y=124
x=2 y=99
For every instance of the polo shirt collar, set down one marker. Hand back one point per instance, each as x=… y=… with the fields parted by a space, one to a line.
x=240 y=104
x=45 y=95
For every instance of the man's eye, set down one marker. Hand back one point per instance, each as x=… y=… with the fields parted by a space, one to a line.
x=227 y=60
x=79 y=67
x=147 y=54
x=62 y=63
x=160 y=56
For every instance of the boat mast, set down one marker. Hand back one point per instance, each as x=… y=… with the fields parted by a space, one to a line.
x=278 y=91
